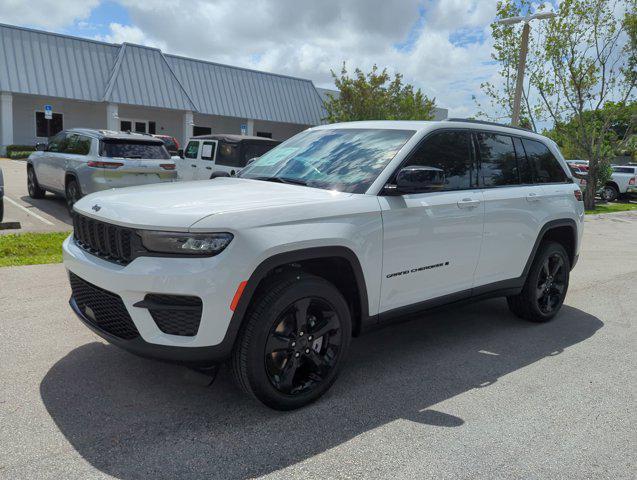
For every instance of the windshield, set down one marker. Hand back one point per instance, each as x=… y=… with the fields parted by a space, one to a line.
x=344 y=159
x=133 y=149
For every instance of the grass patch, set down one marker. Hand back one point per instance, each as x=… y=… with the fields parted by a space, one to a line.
x=612 y=207
x=31 y=248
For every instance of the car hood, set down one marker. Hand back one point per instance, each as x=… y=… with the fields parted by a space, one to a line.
x=176 y=206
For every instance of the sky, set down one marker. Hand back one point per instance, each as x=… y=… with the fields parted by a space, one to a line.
x=440 y=46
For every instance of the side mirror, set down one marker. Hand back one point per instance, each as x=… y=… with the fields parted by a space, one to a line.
x=40 y=147
x=219 y=173
x=180 y=153
x=417 y=179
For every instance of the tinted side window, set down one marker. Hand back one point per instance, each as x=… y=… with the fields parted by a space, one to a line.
x=449 y=152
x=498 y=165
x=545 y=166
x=78 y=145
x=228 y=155
x=191 y=150
x=524 y=168
x=57 y=143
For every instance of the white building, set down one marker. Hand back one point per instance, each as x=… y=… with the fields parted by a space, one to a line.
x=131 y=87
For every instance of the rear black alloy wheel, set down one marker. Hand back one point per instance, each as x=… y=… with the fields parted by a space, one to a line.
x=551 y=284
x=303 y=346
x=546 y=285
x=72 y=194
x=293 y=340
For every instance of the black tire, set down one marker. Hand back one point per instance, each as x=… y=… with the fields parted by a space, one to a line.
x=33 y=187
x=72 y=193
x=610 y=193
x=277 y=338
x=546 y=285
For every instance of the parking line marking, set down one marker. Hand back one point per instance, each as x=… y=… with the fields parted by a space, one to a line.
x=28 y=211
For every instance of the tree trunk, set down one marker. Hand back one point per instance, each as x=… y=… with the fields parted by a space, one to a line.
x=589 y=193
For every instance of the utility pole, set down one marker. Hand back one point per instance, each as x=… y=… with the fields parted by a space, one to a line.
x=524 y=47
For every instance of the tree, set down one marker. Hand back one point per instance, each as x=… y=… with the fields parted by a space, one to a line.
x=581 y=62
x=375 y=96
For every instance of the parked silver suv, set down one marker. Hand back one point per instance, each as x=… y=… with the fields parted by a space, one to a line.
x=80 y=161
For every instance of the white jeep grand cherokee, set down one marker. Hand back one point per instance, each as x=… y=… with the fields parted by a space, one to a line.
x=338 y=229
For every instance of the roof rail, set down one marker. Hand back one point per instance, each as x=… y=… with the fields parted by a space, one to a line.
x=484 y=122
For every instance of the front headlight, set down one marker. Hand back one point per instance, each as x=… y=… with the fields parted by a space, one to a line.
x=185 y=243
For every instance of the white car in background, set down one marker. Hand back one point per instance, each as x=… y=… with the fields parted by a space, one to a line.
x=623 y=181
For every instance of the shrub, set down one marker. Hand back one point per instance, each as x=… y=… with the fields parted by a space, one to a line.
x=17 y=154
x=19 y=148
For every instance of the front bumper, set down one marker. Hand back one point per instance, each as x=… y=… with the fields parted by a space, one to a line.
x=631 y=189
x=197 y=356
x=207 y=278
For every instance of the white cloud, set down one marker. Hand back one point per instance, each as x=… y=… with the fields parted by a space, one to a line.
x=128 y=33
x=45 y=13
x=309 y=38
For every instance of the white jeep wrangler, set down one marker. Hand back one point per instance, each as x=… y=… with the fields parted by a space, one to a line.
x=338 y=229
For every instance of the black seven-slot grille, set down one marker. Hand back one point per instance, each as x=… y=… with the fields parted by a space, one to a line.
x=103 y=309
x=105 y=240
x=174 y=314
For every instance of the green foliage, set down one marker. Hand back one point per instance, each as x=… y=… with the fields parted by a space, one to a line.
x=17 y=154
x=580 y=76
x=19 y=148
x=31 y=248
x=375 y=96
x=613 y=208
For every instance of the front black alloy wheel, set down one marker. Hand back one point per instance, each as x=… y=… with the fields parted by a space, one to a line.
x=72 y=194
x=293 y=341
x=303 y=346
x=33 y=187
x=546 y=285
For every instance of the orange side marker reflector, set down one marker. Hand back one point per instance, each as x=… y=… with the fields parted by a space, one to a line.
x=237 y=295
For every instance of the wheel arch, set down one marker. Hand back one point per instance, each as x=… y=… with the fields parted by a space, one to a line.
x=337 y=264
x=563 y=231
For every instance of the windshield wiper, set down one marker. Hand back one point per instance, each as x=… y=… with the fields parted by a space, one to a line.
x=293 y=181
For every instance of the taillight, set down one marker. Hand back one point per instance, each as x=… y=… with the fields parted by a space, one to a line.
x=631 y=181
x=578 y=195
x=167 y=166
x=105 y=164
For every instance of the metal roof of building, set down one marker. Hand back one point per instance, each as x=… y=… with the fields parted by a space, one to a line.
x=42 y=63
x=240 y=92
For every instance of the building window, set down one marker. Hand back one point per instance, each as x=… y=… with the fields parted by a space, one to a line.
x=48 y=128
x=152 y=128
x=137 y=126
x=196 y=131
x=125 y=125
x=264 y=134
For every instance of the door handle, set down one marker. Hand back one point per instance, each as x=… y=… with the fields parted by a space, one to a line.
x=533 y=197
x=468 y=203
x=193 y=165
x=208 y=168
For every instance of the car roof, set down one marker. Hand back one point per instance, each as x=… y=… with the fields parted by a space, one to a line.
x=112 y=134
x=430 y=125
x=229 y=137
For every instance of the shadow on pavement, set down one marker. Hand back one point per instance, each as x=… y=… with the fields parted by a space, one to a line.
x=52 y=205
x=135 y=418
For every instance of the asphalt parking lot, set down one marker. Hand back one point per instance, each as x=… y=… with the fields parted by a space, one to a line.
x=48 y=214
x=469 y=392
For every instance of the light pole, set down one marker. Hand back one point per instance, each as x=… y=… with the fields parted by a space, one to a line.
x=515 y=117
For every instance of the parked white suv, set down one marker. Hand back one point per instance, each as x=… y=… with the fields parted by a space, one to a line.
x=80 y=161
x=338 y=229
